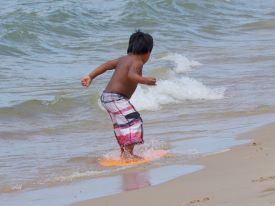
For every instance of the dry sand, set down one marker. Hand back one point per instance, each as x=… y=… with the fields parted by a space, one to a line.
x=244 y=176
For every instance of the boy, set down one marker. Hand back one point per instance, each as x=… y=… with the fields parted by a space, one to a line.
x=127 y=122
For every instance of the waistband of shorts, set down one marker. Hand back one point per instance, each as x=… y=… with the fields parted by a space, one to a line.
x=115 y=93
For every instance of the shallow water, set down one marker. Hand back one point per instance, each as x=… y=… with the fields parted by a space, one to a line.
x=100 y=187
x=214 y=61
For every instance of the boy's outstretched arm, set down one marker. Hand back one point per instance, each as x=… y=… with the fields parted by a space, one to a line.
x=135 y=75
x=109 y=65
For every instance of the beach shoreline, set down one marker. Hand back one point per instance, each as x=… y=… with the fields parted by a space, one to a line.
x=243 y=176
x=214 y=64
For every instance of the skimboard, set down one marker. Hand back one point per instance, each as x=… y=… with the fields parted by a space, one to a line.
x=150 y=156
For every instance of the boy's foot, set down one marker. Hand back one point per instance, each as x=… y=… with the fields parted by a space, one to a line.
x=127 y=153
x=130 y=157
x=136 y=157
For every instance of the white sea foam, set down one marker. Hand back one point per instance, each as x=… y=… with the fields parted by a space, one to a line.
x=173 y=91
x=10 y=188
x=182 y=64
x=176 y=88
x=73 y=176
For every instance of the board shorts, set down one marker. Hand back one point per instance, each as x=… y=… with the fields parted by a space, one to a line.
x=127 y=122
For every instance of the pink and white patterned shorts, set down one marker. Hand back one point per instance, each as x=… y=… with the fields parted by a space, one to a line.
x=126 y=120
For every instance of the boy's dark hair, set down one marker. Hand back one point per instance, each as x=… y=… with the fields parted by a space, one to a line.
x=140 y=43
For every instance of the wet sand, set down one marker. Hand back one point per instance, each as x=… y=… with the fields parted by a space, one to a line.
x=242 y=176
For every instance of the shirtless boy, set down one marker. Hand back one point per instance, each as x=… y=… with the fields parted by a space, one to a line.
x=127 y=122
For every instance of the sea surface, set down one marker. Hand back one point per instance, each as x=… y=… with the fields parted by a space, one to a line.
x=214 y=62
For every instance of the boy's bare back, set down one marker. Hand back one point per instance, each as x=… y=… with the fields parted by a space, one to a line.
x=122 y=80
x=127 y=74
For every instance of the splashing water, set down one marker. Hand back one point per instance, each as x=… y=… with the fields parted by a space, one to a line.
x=175 y=88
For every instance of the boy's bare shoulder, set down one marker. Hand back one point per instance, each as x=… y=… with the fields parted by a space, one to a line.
x=136 y=65
x=130 y=61
x=123 y=59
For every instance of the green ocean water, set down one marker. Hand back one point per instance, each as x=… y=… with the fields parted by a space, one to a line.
x=214 y=61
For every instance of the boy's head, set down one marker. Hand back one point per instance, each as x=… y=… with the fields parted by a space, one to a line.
x=140 y=43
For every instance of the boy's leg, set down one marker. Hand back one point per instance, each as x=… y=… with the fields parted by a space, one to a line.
x=127 y=152
x=126 y=121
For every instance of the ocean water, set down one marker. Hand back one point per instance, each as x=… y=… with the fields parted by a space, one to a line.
x=214 y=62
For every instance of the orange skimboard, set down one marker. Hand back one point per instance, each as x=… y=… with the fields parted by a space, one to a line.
x=152 y=155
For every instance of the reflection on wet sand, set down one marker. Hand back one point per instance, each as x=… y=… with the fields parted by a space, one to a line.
x=135 y=180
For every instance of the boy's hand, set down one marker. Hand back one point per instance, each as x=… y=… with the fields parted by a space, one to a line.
x=86 y=81
x=151 y=80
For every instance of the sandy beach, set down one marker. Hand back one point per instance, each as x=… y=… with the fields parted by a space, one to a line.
x=242 y=176
x=214 y=64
